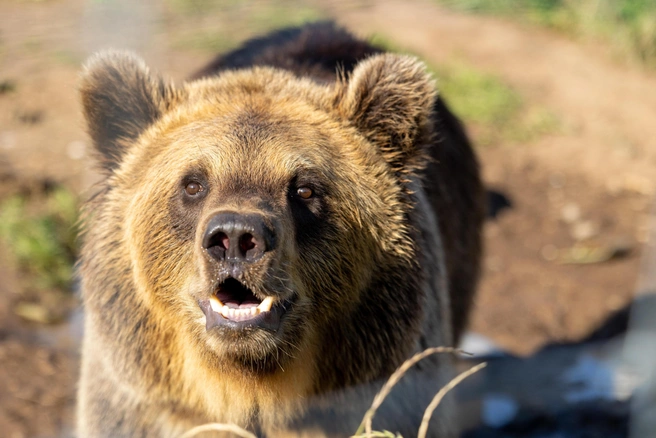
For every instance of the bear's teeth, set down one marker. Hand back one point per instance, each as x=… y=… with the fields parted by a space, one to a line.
x=216 y=304
x=265 y=305
x=227 y=312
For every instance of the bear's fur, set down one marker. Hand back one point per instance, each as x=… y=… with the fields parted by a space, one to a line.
x=363 y=203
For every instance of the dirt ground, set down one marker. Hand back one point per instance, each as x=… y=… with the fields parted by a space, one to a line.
x=580 y=194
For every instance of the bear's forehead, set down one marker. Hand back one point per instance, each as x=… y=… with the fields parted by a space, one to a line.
x=253 y=127
x=250 y=135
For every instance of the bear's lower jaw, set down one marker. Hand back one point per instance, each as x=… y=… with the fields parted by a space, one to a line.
x=267 y=315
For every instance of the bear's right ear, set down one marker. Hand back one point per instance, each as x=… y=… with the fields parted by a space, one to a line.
x=121 y=99
x=389 y=98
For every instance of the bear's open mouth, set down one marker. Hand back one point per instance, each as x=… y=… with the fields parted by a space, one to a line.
x=236 y=302
x=234 y=306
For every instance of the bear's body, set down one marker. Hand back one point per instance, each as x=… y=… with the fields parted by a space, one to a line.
x=268 y=236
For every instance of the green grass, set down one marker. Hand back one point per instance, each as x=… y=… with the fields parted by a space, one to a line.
x=628 y=26
x=206 y=41
x=33 y=45
x=495 y=112
x=238 y=21
x=194 y=8
x=40 y=234
x=67 y=57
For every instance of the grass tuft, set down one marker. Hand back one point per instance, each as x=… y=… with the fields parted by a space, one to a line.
x=629 y=26
x=365 y=428
x=40 y=234
x=241 y=21
x=495 y=111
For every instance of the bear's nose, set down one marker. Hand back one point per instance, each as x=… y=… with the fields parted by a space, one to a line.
x=235 y=237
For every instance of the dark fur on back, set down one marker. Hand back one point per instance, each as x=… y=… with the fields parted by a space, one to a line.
x=317 y=51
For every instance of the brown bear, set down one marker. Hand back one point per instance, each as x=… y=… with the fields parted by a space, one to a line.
x=291 y=224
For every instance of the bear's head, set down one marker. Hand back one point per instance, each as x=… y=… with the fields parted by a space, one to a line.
x=261 y=213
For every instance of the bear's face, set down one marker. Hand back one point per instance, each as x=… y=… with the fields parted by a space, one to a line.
x=257 y=208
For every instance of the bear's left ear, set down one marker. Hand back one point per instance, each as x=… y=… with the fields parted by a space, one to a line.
x=389 y=98
x=121 y=98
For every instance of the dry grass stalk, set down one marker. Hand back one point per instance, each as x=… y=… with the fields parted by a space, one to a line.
x=428 y=413
x=218 y=427
x=366 y=423
x=365 y=426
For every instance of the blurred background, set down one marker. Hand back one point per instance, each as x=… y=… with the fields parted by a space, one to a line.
x=559 y=98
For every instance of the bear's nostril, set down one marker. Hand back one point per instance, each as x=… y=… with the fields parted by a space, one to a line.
x=219 y=240
x=246 y=243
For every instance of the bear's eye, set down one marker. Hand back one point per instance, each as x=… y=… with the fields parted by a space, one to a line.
x=304 y=192
x=193 y=188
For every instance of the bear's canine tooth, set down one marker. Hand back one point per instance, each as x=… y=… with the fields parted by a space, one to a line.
x=224 y=311
x=216 y=304
x=266 y=304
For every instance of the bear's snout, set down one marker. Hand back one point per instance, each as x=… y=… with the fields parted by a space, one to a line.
x=235 y=237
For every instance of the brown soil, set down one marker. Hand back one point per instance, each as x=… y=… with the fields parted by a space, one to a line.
x=595 y=176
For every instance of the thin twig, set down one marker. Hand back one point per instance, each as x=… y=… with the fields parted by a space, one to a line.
x=218 y=427
x=428 y=413
x=393 y=380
